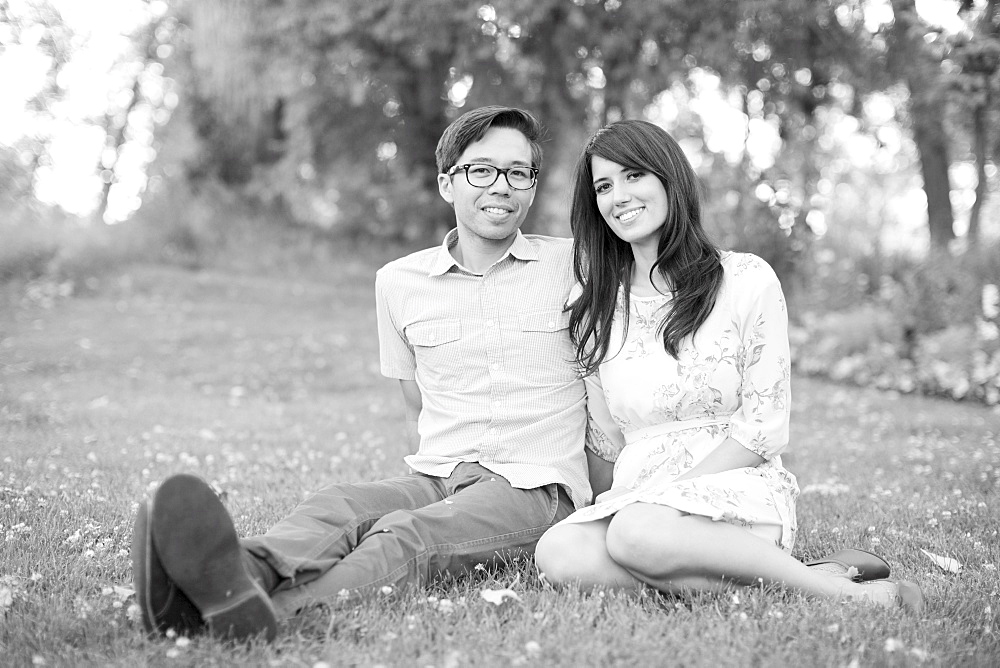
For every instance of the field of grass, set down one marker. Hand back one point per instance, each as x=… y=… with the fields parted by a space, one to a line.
x=268 y=386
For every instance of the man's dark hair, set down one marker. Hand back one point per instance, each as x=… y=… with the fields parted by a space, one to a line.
x=471 y=126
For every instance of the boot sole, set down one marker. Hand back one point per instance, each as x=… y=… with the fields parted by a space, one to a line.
x=200 y=551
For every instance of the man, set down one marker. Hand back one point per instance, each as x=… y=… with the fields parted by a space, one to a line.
x=475 y=332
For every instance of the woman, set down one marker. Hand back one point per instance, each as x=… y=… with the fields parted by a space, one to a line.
x=686 y=353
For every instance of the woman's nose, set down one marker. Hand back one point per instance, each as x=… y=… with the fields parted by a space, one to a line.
x=621 y=194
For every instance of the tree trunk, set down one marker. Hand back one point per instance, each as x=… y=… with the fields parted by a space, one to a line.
x=565 y=119
x=980 y=140
x=236 y=96
x=921 y=73
x=421 y=94
x=980 y=124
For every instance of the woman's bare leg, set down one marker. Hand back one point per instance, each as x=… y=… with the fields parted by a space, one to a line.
x=578 y=554
x=673 y=551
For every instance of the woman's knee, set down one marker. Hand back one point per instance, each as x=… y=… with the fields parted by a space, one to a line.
x=566 y=554
x=645 y=539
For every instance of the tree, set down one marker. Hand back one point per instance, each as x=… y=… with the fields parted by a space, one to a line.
x=37 y=25
x=918 y=64
x=977 y=55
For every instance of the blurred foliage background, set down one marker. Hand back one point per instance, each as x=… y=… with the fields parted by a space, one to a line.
x=853 y=144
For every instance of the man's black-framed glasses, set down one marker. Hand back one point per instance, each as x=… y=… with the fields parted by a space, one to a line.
x=483 y=175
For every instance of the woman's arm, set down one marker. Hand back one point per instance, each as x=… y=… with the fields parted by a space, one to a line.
x=759 y=428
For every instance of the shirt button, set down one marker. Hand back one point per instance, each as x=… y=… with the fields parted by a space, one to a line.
x=432 y=337
x=489 y=323
x=495 y=365
x=552 y=324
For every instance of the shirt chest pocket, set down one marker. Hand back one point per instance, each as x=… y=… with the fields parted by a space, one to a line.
x=437 y=346
x=545 y=341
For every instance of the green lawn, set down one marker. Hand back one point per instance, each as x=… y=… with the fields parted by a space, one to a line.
x=269 y=387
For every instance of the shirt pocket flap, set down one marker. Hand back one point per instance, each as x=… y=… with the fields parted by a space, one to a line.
x=434 y=332
x=544 y=321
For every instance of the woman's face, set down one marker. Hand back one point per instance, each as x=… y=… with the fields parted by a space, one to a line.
x=632 y=201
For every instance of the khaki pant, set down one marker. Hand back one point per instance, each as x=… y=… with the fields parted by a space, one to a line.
x=349 y=540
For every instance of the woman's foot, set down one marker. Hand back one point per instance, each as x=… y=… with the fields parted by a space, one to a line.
x=903 y=594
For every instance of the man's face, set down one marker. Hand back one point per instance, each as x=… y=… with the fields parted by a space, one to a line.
x=493 y=213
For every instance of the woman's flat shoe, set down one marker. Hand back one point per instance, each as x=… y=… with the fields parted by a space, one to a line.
x=868 y=566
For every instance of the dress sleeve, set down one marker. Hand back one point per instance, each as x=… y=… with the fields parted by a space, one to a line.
x=604 y=438
x=761 y=422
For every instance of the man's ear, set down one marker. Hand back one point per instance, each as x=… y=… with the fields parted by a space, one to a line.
x=445 y=188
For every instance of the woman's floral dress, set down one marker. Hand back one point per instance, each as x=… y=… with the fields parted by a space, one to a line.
x=656 y=417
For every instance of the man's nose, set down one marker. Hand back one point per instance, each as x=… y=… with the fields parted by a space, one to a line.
x=501 y=185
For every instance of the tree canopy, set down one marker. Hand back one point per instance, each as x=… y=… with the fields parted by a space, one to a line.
x=329 y=110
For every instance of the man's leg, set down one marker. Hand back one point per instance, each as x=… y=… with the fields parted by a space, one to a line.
x=192 y=536
x=484 y=520
x=330 y=523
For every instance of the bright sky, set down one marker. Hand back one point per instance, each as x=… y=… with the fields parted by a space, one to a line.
x=102 y=27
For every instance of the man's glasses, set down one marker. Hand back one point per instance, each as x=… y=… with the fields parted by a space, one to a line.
x=483 y=176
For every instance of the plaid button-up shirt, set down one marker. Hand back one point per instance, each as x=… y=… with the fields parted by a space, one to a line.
x=492 y=357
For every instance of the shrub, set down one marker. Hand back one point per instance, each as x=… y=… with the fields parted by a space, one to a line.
x=931 y=327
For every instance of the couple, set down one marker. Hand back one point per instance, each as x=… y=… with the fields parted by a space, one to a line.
x=684 y=386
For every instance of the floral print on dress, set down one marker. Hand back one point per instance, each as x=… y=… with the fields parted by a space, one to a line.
x=731 y=378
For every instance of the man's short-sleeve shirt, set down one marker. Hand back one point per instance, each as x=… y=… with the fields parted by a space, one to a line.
x=492 y=357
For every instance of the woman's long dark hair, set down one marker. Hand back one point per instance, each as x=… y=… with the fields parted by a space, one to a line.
x=602 y=262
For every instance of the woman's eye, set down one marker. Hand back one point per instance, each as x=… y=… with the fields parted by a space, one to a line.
x=634 y=176
x=601 y=188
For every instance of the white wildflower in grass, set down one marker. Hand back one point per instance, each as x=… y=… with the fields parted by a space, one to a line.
x=83 y=608
x=183 y=641
x=173 y=653
x=38 y=660
x=498 y=596
x=918 y=654
x=133 y=613
x=6 y=597
x=386 y=590
x=894 y=645
x=532 y=647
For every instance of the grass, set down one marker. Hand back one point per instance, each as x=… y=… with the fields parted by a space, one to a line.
x=269 y=387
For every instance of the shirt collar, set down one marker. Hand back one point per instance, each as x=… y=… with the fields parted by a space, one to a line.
x=520 y=249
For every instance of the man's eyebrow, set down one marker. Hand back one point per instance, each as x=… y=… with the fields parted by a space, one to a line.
x=483 y=160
